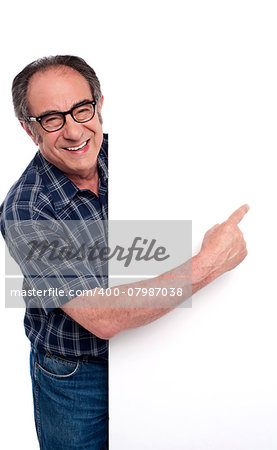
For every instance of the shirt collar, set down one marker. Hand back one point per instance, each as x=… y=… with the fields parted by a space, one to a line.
x=61 y=189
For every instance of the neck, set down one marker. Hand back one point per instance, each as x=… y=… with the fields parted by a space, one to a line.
x=90 y=181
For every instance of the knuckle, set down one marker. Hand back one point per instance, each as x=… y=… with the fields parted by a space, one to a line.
x=229 y=227
x=225 y=226
x=240 y=236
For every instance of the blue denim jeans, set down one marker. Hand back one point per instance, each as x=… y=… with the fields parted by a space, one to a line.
x=70 y=401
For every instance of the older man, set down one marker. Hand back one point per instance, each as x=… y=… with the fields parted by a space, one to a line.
x=58 y=102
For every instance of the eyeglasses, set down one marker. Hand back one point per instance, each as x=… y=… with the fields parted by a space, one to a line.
x=55 y=121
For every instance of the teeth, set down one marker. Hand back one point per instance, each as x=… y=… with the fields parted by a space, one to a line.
x=73 y=149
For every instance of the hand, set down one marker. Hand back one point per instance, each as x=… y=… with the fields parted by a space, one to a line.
x=223 y=246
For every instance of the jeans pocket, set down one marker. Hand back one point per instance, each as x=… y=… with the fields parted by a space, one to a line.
x=56 y=366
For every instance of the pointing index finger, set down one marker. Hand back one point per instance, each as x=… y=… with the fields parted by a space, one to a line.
x=238 y=215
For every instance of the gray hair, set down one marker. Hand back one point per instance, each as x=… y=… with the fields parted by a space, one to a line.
x=21 y=81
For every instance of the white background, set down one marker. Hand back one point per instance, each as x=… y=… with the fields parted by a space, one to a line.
x=190 y=106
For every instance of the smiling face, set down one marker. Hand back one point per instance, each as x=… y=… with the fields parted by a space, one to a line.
x=73 y=148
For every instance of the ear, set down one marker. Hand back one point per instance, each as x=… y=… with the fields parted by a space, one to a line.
x=101 y=103
x=29 y=132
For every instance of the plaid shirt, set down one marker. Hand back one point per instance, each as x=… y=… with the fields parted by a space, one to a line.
x=45 y=199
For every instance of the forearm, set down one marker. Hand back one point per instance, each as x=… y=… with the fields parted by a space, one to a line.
x=106 y=316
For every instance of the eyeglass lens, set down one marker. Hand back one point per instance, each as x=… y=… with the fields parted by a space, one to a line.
x=83 y=113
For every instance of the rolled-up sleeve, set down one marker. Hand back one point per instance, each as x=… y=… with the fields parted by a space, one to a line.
x=59 y=259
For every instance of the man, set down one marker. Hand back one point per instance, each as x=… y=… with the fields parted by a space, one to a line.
x=58 y=101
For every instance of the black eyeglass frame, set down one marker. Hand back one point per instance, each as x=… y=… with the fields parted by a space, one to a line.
x=64 y=113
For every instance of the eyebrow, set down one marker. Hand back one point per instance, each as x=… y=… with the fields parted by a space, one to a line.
x=53 y=111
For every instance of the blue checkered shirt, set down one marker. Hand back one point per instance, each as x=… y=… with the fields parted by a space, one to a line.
x=46 y=198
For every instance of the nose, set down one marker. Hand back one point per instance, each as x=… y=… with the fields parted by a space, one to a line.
x=72 y=130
